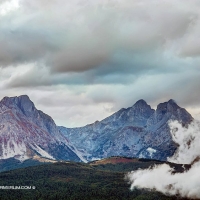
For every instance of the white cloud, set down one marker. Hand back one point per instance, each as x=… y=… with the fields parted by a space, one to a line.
x=162 y=178
x=8 y=6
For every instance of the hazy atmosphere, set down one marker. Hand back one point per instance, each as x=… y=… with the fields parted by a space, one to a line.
x=79 y=61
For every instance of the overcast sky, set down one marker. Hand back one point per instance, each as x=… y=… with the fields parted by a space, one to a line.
x=81 y=60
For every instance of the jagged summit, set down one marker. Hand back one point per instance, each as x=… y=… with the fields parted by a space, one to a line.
x=172 y=101
x=137 y=131
x=141 y=102
x=23 y=102
x=170 y=110
x=16 y=99
x=26 y=132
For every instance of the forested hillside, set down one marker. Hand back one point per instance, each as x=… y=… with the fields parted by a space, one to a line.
x=76 y=181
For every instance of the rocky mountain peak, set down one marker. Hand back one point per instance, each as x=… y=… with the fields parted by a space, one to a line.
x=137 y=131
x=170 y=110
x=24 y=99
x=141 y=103
x=23 y=102
x=26 y=131
x=15 y=99
x=169 y=106
x=172 y=101
x=20 y=104
x=141 y=107
x=140 y=112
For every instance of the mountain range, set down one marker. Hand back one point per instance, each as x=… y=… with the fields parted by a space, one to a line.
x=137 y=131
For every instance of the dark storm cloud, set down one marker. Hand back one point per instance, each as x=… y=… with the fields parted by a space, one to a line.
x=104 y=54
x=100 y=40
x=122 y=68
x=83 y=35
x=29 y=75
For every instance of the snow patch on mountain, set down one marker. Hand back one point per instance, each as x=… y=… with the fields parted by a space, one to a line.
x=41 y=151
x=138 y=131
x=26 y=131
x=151 y=151
x=12 y=149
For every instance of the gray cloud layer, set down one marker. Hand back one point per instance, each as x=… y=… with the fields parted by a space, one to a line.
x=78 y=35
x=114 y=52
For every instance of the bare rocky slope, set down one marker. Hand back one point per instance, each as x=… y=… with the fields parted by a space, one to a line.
x=138 y=131
x=26 y=132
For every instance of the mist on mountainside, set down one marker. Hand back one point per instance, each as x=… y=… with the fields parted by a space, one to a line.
x=162 y=177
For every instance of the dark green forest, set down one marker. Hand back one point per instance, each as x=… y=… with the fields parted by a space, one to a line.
x=76 y=181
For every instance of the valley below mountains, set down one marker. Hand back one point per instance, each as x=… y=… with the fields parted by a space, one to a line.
x=138 y=131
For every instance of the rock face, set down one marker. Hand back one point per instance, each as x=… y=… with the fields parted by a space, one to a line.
x=26 y=132
x=138 y=131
